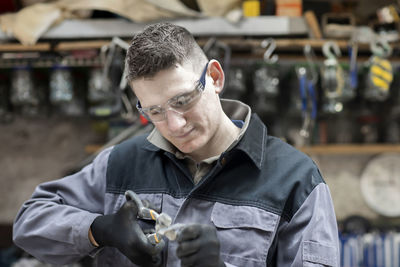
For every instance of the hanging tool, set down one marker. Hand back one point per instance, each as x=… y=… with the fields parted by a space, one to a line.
x=353 y=53
x=332 y=74
x=22 y=87
x=119 y=103
x=338 y=25
x=236 y=83
x=266 y=80
x=163 y=221
x=24 y=96
x=308 y=78
x=333 y=79
x=380 y=74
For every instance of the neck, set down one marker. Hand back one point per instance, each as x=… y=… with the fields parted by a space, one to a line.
x=225 y=135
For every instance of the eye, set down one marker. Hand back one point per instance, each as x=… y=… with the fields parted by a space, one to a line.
x=184 y=100
x=154 y=111
x=181 y=101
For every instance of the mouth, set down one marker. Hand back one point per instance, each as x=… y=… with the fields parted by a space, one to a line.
x=184 y=135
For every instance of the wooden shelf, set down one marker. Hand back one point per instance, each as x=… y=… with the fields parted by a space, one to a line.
x=14 y=47
x=236 y=43
x=290 y=34
x=80 y=45
x=336 y=149
x=210 y=26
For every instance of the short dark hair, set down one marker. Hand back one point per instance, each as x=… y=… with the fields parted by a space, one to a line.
x=160 y=46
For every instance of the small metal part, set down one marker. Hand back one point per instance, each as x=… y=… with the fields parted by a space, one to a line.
x=163 y=220
x=172 y=231
x=270 y=45
x=154 y=238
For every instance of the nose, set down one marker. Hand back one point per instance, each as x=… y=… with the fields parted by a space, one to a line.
x=175 y=120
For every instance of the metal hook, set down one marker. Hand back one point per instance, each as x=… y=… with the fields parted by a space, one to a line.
x=380 y=48
x=270 y=45
x=121 y=43
x=331 y=50
x=310 y=56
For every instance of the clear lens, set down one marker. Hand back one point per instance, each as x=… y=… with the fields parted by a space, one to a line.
x=155 y=114
x=179 y=104
x=185 y=102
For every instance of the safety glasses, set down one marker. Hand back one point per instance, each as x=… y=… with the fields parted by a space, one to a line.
x=179 y=104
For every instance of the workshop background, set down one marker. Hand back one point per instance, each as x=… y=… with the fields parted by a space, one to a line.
x=323 y=75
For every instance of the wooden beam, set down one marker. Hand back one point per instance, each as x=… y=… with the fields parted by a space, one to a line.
x=312 y=22
x=9 y=47
x=80 y=45
x=235 y=43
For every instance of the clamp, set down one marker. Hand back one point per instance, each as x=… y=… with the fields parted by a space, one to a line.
x=163 y=221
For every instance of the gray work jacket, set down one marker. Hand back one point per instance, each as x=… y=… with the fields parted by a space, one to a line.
x=267 y=200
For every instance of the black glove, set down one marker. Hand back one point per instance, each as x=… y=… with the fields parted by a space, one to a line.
x=122 y=231
x=198 y=245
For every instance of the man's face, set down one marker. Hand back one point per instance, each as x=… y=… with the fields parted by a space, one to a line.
x=191 y=131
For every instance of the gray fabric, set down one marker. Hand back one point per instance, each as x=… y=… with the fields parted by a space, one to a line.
x=246 y=233
x=242 y=230
x=311 y=237
x=53 y=225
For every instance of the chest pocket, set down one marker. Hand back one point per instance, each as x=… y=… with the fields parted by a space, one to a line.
x=245 y=233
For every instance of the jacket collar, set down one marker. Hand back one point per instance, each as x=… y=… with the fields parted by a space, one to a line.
x=253 y=140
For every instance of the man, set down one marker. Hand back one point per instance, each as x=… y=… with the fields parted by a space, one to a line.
x=245 y=198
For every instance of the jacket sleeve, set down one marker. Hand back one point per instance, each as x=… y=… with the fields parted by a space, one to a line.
x=53 y=224
x=310 y=238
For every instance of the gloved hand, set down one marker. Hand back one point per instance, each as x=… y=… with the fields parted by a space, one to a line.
x=122 y=231
x=198 y=245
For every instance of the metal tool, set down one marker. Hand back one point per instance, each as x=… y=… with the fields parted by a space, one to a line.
x=308 y=78
x=353 y=53
x=118 y=102
x=266 y=81
x=332 y=74
x=338 y=25
x=163 y=221
x=336 y=82
x=380 y=74
x=171 y=232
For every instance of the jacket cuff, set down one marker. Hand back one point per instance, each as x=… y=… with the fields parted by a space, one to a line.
x=81 y=235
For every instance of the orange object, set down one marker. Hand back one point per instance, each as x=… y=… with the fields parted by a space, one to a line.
x=143 y=120
x=291 y=8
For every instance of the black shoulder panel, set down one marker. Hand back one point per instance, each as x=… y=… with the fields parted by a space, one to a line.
x=133 y=166
x=285 y=180
x=283 y=183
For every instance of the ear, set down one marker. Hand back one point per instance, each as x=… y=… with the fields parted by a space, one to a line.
x=217 y=75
